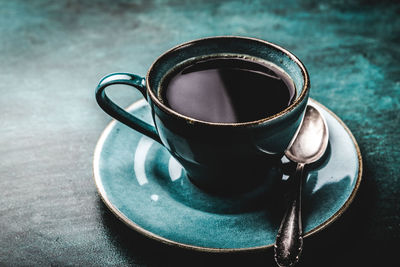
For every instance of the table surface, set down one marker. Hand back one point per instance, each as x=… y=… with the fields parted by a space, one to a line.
x=53 y=53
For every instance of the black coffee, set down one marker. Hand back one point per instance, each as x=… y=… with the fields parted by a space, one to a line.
x=227 y=90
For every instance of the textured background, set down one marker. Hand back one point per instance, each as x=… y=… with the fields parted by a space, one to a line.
x=53 y=53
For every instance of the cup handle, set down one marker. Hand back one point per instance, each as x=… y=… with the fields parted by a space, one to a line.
x=117 y=112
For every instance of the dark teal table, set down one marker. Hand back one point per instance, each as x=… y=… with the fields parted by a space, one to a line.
x=53 y=53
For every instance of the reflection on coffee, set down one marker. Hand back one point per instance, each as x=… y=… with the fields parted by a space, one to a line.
x=227 y=89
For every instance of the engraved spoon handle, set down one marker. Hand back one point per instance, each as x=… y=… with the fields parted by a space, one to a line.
x=289 y=240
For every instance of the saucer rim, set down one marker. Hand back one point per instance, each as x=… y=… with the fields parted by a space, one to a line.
x=103 y=195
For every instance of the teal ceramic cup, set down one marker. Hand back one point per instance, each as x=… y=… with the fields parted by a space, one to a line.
x=219 y=157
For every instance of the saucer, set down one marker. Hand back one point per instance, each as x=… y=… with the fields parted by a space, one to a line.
x=148 y=190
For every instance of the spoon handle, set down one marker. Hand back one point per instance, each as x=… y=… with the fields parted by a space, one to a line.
x=289 y=240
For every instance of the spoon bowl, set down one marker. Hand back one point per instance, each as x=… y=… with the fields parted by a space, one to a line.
x=312 y=139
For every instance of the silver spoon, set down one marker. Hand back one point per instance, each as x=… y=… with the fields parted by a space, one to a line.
x=309 y=146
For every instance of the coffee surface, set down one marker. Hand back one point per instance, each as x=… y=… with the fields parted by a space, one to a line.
x=227 y=90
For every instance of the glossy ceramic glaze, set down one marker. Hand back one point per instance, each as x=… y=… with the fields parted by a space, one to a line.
x=149 y=191
x=216 y=154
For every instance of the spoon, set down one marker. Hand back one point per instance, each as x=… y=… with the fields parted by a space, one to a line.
x=309 y=146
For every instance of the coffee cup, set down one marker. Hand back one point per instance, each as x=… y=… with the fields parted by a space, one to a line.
x=232 y=151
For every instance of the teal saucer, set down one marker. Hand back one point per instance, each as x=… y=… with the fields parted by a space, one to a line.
x=148 y=190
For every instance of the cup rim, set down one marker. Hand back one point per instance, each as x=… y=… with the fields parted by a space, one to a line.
x=296 y=102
